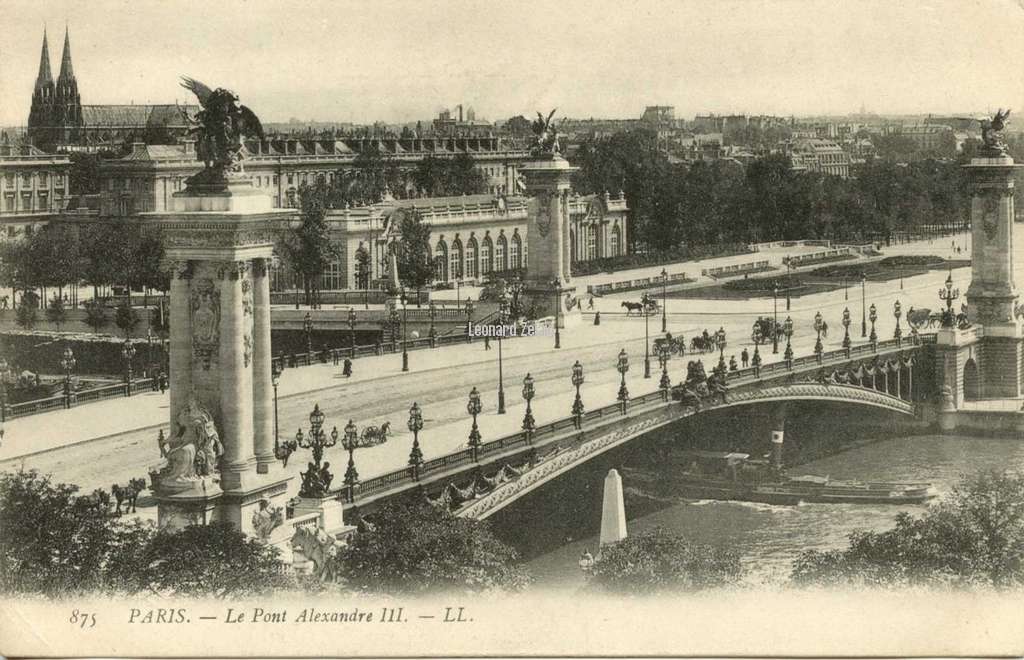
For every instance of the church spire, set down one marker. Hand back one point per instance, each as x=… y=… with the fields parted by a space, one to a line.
x=66 y=70
x=44 y=64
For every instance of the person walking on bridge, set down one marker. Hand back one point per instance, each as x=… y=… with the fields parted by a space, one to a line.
x=745 y=358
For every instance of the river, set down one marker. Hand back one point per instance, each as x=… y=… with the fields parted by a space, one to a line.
x=768 y=537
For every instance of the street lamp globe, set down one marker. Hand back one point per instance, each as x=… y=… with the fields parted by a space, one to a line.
x=623 y=363
x=577 y=374
x=351 y=316
x=528 y=387
x=316 y=418
x=415 y=418
x=473 y=407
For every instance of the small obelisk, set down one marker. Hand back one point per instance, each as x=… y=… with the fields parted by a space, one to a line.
x=613 y=513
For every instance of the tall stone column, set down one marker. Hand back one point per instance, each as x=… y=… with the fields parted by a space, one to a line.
x=262 y=388
x=180 y=343
x=235 y=374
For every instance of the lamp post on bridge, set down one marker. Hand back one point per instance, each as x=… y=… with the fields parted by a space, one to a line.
x=469 y=318
x=307 y=327
x=664 y=300
x=775 y=319
x=432 y=333
x=873 y=316
x=67 y=362
x=948 y=295
x=846 y=330
x=664 y=355
x=897 y=311
x=647 y=344
x=4 y=373
x=502 y=320
x=720 y=336
x=350 y=441
x=317 y=479
x=819 y=324
x=415 y=425
x=757 y=337
x=127 y=352
x=556 y=287
x=577 y=404
x=623 y=366
x=529 y=424
x=405 y=329
x=863 y=301
x=352 y=333
x=787 y=329
x=473 y=407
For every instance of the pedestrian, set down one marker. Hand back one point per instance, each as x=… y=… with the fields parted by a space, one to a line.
x=154 y=382
x=590 y=303
x=346 y=369
x=745 y=358
x=487 y=342
x=597 y=317
x=732 y=363
x=334 y=356
x=163 y=382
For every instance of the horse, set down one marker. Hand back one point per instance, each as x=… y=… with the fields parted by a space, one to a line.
x=319 y=547
x=127 y=495
x=700 y=345
x=98 y=499
x=373 y=435
x=633 y=307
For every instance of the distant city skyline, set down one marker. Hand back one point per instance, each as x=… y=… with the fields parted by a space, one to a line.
x=399 y=62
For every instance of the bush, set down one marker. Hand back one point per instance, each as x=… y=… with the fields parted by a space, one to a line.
x=657 y=561
x=126 y=318
x=975 y=537
x=911 y=260
x=95 y=315
x=27 y=316
x=56 y=313
x=783 y=282
x=417 y=547
x=636 y=260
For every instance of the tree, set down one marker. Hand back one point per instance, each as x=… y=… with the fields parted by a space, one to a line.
x=417 y=547
x=443 y=177
x=126 y=318
x=28 y=315
x=307 y=248
x=362 y=269
x=415 y=269
x=658 y=561
x=974 y=537
x=56 y=312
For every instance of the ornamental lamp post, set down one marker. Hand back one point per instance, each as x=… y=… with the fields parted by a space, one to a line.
x=128 y=352
x=775 y=319
x=557 y=288
x=664 y=355
x=787 y=329
x=352 y=332
x=623 y=366
x=415 y=425
x=395 y=321
x=275 y=380
x=577 y=404
x=307 y=326
x=948 y=295
x=819 y=324
x=647 y=345
x=502 y=320
x=314 y=483
x=664 y=300
x=149 y=352
x=405 y=328
x=473 y=407
x=720 y=336
x=432 y=333
x=846 y=330
x=897 y=311
x=350 y=441
x=757 y=337
x=4 y=373
x=528 y=422
x=863 y=302
x=873 y=316
x=469 y=318
x=67 y=362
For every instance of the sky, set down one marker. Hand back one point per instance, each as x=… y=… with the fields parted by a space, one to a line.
x=397 y=60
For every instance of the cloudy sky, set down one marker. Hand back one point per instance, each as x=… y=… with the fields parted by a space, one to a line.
x=404 y=60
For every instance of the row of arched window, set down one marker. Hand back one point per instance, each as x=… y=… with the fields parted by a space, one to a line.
x=592 y=247
x=474 y=260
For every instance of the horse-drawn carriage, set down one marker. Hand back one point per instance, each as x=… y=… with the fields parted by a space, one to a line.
x=646 y=307
x=676 y=346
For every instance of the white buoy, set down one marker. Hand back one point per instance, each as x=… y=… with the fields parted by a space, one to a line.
x=613 y=513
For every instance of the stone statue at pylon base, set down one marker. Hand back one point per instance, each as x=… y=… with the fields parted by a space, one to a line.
x=193 y=449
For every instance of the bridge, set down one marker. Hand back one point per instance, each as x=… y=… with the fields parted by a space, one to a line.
x=477 y=482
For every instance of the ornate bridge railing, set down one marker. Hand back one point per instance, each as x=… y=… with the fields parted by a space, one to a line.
x=550 y=440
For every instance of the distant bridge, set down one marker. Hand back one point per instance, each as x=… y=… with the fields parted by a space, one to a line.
x=478 y=483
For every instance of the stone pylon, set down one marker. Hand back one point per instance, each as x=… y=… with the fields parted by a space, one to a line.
x=613 y=511
x=549 y=287
x=220 y=244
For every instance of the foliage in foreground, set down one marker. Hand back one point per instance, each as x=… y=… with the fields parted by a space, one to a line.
x=974 y=537
x=417 y=547
x=658 y=561
x=55 y=543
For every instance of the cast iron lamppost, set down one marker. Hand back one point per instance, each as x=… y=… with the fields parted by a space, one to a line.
x=4 y=373
x=948 y=295
x=577 y=404
x=819 y=323
x=352 y=332
x=789 y=274
x=787 y=329
x=469 y=318
x=623 y=366
x=502 y=320
x=473 y=407
x=67 y=362
x=275 y=380
x=897 y=311
x=647 y=345
x=415 y=425
x=128 y=352
x=664 y=355
x=432 y=309
x=664 y=300
x=307 y=326
x=846 y=330
x=350 y=441
x=757 y=337
x=873 y=316
x=720 y=335
x=775 y=320
x=529 y=424
x=149 y=353
x=558 y=304
x=863 y=302
x=405 y=328
x=313 y=484
x=395 y=320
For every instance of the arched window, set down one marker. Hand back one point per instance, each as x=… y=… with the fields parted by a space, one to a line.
x=515 y=252
x=455 y=260
x=500 y=250
x=471 y=268
x=441 y=261
x=615 y=242
x=591 y=242
x=485 y=256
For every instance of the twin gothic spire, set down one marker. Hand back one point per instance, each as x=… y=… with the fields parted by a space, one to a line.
x=67 y=71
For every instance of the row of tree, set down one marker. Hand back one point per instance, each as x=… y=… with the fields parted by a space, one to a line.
x=674 y=204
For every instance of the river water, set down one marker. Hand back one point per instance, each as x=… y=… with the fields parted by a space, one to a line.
x=768 y=537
